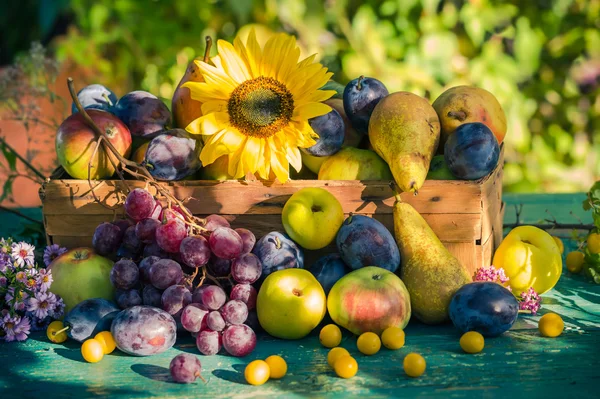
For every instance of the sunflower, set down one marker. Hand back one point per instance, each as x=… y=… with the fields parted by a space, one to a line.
x=256 y=103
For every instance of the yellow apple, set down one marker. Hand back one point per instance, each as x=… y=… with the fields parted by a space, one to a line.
x=312 y=217
x=290 y=303
x=530 y=258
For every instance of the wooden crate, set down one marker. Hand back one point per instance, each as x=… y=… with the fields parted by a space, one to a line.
x=465 y=215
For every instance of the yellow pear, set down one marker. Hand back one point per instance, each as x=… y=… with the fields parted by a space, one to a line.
x=431 y=274
x=405 y=131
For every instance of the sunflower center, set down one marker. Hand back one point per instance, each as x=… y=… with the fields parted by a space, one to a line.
x=260 y=107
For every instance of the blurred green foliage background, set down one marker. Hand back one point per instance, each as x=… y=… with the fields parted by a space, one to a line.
x=541 y=58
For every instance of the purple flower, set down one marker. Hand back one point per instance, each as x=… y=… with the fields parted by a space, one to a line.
x=9 y=324
x=530 y=300
x=3 y=281
x=59 y=308
x=19 y=298
x=41 y=305
x=52 y=252
x=44 y=279
x=5 y=262
x=21 y=276
x=22 y=329
x=492 y=274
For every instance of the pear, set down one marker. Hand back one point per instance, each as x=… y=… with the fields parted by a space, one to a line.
x=431 y=274
x=404 y=130
x=184 y=108
x=354 y=164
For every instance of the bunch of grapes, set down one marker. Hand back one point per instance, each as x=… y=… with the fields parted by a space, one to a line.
x=205 y=280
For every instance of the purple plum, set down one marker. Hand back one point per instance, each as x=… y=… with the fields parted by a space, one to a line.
x=143 y=113
x=472 y=151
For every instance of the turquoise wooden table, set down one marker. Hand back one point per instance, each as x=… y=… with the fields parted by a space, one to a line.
x=518 y=364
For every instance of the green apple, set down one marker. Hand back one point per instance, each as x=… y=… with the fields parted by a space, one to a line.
x=312 y=217
x=369 y=299
x=81 y=274
x=290 y=303
x=438 y=169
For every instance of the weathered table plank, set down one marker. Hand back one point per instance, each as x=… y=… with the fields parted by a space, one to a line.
x=518 y=364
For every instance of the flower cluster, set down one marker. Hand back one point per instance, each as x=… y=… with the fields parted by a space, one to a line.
x=529 y=300
x=25 y=302
x=490 y=273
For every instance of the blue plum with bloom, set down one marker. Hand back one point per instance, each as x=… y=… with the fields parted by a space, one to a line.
x=331 y=130
x=89 y=317
x=144 y=114
x=361 y=95
x=485 y=307
x=95 y=96
x=277 y=251
x=472 y=151
x=328 y=270
x=170 y=157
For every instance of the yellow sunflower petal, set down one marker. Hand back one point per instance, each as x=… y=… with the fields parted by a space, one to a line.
x=214 y=106
x=224 y=142
x=205 y=92
x=279 y=162
x=294 y=158
x=310 y=110
x=209 y=123
x=303 y=133
x=232 y=63
x=251 y=53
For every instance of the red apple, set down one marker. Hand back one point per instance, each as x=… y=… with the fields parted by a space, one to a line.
x=81 y=274
x=75 y=143
x=369 y=299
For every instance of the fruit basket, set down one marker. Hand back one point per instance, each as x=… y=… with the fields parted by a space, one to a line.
x=465 y=215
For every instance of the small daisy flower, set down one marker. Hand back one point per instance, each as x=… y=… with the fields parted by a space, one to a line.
x=52 y=252
x=40 y=305
x=59 y=308
x=21 y=276
x=44 y=279
x=22 y=329
x=22 y=253
x=5 y=262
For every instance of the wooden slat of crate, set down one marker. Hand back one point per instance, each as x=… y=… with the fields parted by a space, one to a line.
x=62 y=197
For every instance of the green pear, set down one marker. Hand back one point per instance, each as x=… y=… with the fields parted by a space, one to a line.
x=312 y=163
x=438 y=170
x=431 y=274
x=354 y=164
x=405 y=131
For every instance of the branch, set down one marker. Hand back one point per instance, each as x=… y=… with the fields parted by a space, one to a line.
x=550 y=226
x=25 y=161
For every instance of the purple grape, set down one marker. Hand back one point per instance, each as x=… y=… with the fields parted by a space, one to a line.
x=175 y=298
x=219 y=267
x=165 y=273
x=215 y=321
x=248 y=238
x=252 y=321
x=214 y=221
x=107 y=238
x=246 y=269
x=152 y=296
x=234 y=312
x=144 y=331
x=170 y=234
x=195 y=251
x=197 y=294
x=213 y=297
x=209 y=342
x=123 y=224
x=154 y=250
x=144 y=267
x=124 y=274
x=193 y=317
x=145 y=230
x=128 y=299
x=225 y=243
x=239 y=340
x=131 y=243
x=185 y=368
x=139 y=204
x=245 y=293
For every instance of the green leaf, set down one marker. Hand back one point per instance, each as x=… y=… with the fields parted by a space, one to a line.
x=7 y=188
x=10 y=156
